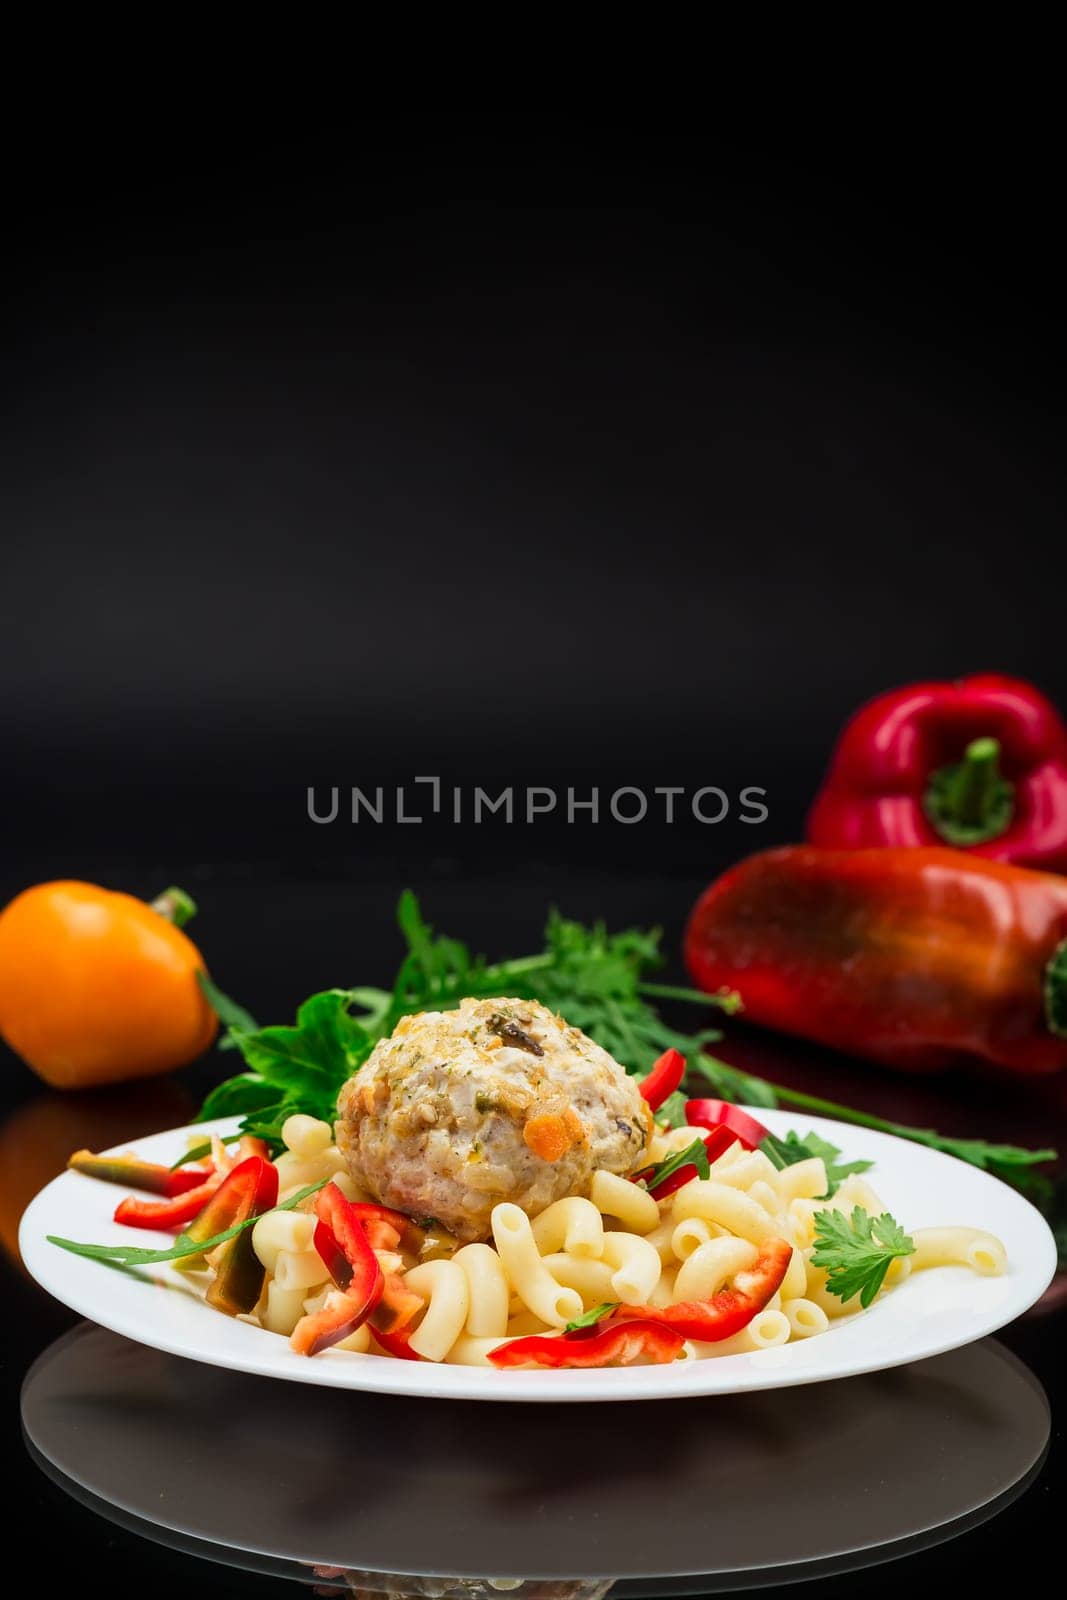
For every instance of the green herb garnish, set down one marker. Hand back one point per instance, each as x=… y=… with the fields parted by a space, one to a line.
x=598 y=981
x=856 y=1252
x=588 y=1319
x=127 y=1255
x=694 y=1155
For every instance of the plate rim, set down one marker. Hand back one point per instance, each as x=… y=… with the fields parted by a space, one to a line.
x=439 y=1381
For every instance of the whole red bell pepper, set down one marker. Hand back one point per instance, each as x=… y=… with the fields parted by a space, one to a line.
x=618 y=1344
x=915 y=958
x=980 y=764
x=729 y=1311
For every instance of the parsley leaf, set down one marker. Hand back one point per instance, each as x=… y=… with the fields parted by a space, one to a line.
x=298 y=1068
x=694 y=1155
x=856 y=1251
x=788 y=1151
x=127 y=1255
x=590 y=1318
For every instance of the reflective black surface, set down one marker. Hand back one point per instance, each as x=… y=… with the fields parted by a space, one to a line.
x=534 y=1494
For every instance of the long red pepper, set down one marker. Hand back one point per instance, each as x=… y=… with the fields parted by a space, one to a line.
x=916 y=958
x=134 y=1173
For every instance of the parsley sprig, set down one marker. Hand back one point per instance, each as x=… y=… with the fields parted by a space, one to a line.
x=856 y=1252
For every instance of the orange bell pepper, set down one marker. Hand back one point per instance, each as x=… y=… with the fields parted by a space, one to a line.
x=97 y=987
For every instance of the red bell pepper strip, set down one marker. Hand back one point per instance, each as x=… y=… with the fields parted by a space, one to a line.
x=249 y=1190
x=666 y=1076
x=618 y=1345
x=720 y=1114
x=397 y=1308
x=164 y=1214
x=395 y=1344
x=232 y=1200
x=341 y=1240
x=388 y=1229
x=342 y=1314
x=915 y=958
x=136 y=1174
x=727 y=1312
x=980 y=764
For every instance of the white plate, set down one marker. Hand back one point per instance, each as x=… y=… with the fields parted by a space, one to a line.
x=930 y=1312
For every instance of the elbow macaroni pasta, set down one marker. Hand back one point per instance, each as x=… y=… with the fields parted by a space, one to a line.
x=618 y=1246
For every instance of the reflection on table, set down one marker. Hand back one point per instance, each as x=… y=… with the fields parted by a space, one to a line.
x=379 y=1495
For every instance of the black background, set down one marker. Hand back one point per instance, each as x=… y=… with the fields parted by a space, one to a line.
x=540 y=454
x=552 y=455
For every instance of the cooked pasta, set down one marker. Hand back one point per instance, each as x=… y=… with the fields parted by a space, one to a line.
x=693 y=1262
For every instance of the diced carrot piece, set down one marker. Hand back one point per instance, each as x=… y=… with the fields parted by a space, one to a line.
x=548 y=1136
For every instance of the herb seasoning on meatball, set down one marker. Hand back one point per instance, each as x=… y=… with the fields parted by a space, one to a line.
x=497 y=1100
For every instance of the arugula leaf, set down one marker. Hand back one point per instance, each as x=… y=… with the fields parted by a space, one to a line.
x=126 y=1255
x=788 y=1151
x=856 y=1251
x=694 y=1155
x=588 y=1319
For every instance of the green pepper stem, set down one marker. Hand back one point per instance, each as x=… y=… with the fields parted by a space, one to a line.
x=974 y=781
x=175 y=906
x=1056 y=992
x=971 y=802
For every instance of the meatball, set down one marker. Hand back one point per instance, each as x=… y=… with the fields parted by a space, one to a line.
x=497 y=1100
